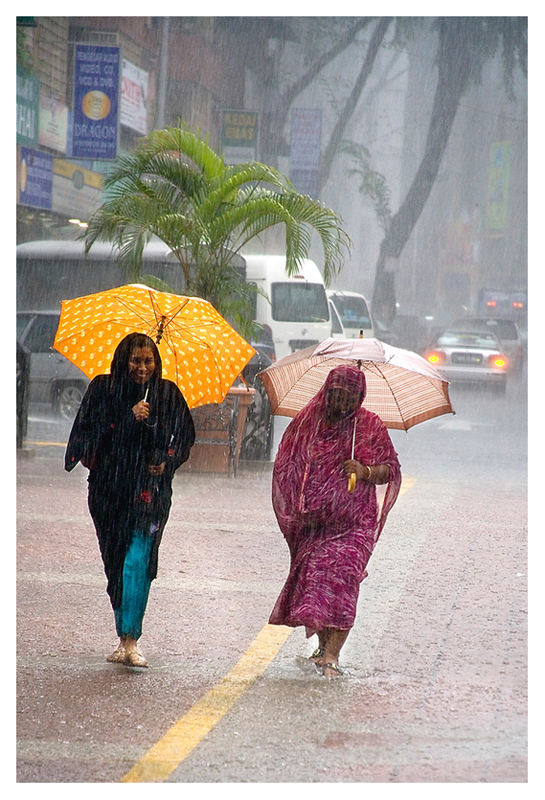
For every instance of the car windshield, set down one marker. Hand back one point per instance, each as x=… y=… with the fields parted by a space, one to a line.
x=336 y=325
x=502 y=328
x=353 y=311
x=299 y=302
x=462 y=339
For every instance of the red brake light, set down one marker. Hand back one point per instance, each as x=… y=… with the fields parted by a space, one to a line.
x=491 y=303
x=517 y=305
x=498 y=362
x=435 y=358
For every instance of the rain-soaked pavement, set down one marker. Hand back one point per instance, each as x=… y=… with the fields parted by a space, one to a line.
x=435 y=689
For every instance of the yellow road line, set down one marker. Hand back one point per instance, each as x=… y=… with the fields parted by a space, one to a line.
x=169 y=752
x=159 y=762
x=406 y=483
x=49 y=444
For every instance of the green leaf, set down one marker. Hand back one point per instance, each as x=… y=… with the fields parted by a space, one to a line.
x=175 y=187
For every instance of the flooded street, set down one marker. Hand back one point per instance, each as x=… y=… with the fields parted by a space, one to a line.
x=435 y=683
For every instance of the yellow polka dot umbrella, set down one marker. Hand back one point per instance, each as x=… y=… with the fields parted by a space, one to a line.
x=200 y=351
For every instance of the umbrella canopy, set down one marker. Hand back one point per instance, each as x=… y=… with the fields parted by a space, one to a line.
x=200 y=351
x=402 y=388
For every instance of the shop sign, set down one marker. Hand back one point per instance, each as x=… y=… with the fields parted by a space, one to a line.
x=134 y=97
x=28 y=108
x=77 y=192
x=306 y=133
x=53 y=124
x=239 y=132
x=498 y=188
x=96 y=102
x=35 y=178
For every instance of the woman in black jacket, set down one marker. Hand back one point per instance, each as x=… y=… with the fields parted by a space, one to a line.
x=132 y=431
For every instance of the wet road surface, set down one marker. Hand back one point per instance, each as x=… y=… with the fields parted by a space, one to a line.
x=435 y=684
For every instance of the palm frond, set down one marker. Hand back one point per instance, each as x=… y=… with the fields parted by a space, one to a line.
x=188 y=146
x=155 y=283
x=174 y=186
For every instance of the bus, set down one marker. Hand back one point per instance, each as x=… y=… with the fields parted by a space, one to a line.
x=51 y=271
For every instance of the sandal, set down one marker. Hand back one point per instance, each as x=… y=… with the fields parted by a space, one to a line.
x=135 y=659
x=118 y=656
x=334 y=667
x=318 y=653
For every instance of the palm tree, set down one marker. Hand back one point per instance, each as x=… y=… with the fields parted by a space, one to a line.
x=175 y=187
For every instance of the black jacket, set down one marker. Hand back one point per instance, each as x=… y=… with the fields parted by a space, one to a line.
x=117 y=450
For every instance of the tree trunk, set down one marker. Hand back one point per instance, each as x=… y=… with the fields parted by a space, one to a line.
x=273 y=137
x=352 y=101
x=454 y=69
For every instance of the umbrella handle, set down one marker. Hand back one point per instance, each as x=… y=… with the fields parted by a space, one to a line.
x=352 y=477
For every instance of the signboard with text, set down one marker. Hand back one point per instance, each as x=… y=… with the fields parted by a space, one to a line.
x=239 y=131
x=28 y=108
x=35 y=178
x=498 y=188
x=306 y=134
x=53 y=124
x=134 y=97
x=76 y=191
x=96 y=102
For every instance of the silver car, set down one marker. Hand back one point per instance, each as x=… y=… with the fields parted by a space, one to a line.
x=505 y=330
x=472 y=358
x=53 y=379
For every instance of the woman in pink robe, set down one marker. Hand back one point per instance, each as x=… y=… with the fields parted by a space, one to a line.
x=330 y=531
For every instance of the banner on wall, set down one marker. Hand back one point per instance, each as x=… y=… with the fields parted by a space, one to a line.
x=96 y=102
x=498 y=188
x=35 y=178
x=306 y=139
x=76 y=191
x=27 y=108
x=134 y=97
x=53 y=124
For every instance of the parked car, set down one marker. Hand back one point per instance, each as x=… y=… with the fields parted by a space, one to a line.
x=53 y=379
x=337 y=329
x=469 y=357
x=355 y=315
x=263 y=342
x=505 y=330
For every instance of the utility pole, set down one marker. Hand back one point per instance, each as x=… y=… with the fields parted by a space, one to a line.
x=163 y=75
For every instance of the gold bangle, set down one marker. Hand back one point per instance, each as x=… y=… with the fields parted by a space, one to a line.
x=368 y=473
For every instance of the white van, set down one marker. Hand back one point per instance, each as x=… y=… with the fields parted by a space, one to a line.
x=298 y=312
x=353 y=309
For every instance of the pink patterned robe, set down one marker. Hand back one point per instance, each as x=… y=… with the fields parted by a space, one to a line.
x=330 y=532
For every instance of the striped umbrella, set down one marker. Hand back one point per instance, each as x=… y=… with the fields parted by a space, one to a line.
x=402 y=387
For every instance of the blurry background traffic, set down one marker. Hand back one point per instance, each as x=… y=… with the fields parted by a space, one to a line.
x=414 y=130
